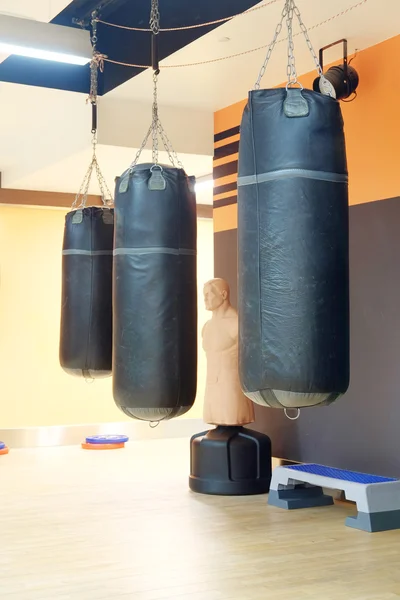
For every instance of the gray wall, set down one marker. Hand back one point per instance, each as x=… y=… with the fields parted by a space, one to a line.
x=361 y=430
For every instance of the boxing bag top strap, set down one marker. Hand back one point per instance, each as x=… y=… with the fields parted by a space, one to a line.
x=295 y=105
x=157 y=181
x=78 y=217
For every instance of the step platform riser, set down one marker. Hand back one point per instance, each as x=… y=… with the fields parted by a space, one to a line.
x=378 y=499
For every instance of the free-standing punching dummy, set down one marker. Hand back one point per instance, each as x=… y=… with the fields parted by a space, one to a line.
x=293 y=245
x=224 y=401
x=154 y=280
x=86 y=306
x=228 y=460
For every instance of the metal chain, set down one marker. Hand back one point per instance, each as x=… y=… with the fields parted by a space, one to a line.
x=93 y=80
x=289 y=10
x=291 y=65
x=106 y=195
x=155 y=17
x=94 y=30
x=81 y=196
x=172 y=155
x=307 y=37
x=270 y=48
x=142 y=147
x=94 y=63
x=154 y=122
x=156 y=129
x=83 y=190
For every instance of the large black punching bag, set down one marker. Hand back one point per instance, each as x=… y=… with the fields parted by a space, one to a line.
x=293 y=249
x=155 y=293
x=86 y=307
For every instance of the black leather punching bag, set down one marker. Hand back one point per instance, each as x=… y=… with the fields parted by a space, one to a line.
x=155 y=293
x=293 y=249
x=86 y=308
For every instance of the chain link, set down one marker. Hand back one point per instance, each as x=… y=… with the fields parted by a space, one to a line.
x=270 y=48
x=307 y=38
x=154 y=123
x=94 y=30
x=291 y=65
x=81 y=196
x=94 y=63
x=93 y=80
x=156 y=129
x=155 y=17
x=172 y=155
x=142 y=147
x=289 y=10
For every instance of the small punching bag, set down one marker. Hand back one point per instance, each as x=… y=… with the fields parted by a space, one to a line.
x=86 y=313
x=293 y=249
x=155 y=293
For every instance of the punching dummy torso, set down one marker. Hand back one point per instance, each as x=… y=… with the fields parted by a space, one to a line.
x=224 y=402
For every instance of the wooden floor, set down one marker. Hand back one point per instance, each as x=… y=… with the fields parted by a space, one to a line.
x=122 y=525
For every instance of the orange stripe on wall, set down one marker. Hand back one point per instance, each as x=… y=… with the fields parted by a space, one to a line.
x=223 y=180
x=225 y=159
x=224 y=195
x=226 y=141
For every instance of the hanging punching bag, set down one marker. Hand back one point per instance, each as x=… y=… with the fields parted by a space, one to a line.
x=86 y=313
x=293 y=249
x=155 y=293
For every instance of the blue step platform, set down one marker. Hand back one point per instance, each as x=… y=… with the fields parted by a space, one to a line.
x=301 y=486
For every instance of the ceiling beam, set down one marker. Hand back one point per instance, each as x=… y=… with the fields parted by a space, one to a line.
x=36 y=198
x=81 y=11
x=65 y=200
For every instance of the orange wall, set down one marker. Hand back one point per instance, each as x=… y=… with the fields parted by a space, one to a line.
x=372 y=128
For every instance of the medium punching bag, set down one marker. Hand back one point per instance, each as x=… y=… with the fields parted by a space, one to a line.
x=86 y=313
x=155 y=293
x=293 y=249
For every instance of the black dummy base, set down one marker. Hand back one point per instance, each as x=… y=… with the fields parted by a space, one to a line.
x=230 y=461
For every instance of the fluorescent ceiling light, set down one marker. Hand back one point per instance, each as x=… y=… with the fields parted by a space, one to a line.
x=45 y=41
x=42 y=54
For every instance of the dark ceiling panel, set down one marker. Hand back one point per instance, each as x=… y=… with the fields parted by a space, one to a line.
x=120 y=45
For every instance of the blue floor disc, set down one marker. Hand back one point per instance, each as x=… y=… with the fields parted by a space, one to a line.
x=107 y=439
x=2 y=445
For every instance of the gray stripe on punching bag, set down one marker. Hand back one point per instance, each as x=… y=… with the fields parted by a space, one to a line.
x=176 y=251
x=292 y=173
x=87 y=252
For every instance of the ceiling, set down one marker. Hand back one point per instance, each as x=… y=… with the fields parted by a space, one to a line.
x=219 y=84
x=121 y=45
x=45 y=129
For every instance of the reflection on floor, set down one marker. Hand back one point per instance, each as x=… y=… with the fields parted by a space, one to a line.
x=123 y=525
